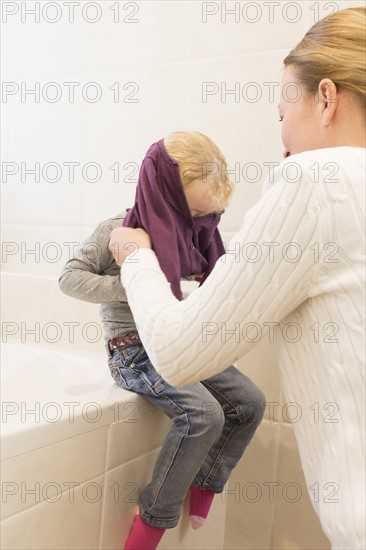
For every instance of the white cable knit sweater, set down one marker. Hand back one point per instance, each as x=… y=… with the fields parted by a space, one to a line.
x=295 y=274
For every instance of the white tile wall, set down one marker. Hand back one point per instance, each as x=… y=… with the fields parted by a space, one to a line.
x=235 y=121
x=38 y=250
x=53 y=465
x=71 y=521
x=231 y=28
x=161 y=35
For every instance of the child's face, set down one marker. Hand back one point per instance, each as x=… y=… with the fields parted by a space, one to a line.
x=198 y=198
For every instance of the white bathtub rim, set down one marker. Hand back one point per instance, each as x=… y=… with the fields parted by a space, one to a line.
x=19 y=436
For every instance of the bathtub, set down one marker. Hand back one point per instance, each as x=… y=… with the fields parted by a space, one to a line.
x=50 y=394
x=76 y=450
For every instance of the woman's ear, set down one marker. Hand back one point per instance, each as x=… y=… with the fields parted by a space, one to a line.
x=328 y=99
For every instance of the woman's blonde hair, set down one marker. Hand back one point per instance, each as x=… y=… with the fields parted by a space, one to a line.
x=333 y=48
x=199 y=157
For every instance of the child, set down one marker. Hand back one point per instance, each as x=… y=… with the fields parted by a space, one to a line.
x=183 y=186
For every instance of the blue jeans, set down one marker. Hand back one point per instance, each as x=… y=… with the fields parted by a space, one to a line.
x=213 y=421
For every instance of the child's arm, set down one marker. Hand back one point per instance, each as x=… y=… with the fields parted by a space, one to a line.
x=92 y=274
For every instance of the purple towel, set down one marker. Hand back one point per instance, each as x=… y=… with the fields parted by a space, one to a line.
x=184 y=245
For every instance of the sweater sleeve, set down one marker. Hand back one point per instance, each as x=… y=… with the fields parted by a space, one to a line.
x=265 y=274
x=83 y=277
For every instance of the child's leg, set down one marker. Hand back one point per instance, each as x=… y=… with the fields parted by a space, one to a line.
x=143 y=536
x=199 y=506
x=192 y=434
x=243 y=404
x=197 y=423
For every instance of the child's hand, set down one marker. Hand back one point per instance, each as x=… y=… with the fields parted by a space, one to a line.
x=125 y=240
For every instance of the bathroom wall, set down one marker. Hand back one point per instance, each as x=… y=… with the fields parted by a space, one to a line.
x=110 y=78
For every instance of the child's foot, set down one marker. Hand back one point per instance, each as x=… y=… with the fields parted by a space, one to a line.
x=143 y=536
x=200 y=505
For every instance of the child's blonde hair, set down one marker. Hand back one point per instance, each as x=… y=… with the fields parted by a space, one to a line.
x=199 y=157
x=333 y=48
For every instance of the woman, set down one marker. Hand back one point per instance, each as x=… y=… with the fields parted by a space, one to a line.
x=298 y=272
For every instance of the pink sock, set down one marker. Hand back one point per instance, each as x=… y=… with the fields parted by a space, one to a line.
x=143 y=536
x=200 y=505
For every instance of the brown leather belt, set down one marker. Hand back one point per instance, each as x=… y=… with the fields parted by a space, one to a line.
x=132 y=338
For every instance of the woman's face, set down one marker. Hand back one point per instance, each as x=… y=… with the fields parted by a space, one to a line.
x=299 y=113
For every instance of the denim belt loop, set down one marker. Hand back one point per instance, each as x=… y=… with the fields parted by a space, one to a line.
x=109 y=353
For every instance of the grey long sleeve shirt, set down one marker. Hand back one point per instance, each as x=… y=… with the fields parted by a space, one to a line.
x=92 y=275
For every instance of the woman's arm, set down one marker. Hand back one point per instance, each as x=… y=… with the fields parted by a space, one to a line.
x=266 y=273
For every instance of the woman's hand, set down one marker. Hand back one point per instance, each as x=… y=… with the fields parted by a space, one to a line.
x=124 y=240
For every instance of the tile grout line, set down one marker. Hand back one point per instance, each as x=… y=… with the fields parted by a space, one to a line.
x=102 y=515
